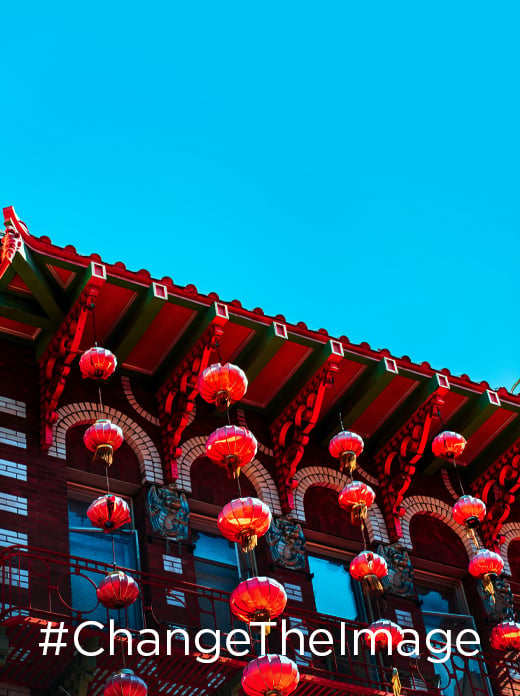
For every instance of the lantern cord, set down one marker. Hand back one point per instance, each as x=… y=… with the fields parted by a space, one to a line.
x=363 y=534
x=216 y=347
x=108 y=480
x=123 y=654
x=113 y=550
x=340 y=415
x=100 y=400
x=458 y=476
x=239 y=486
x=256 y=643
x=382 y=606
x=92 y=308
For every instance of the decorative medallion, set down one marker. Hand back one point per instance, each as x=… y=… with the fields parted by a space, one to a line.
x=499 y=605
x=286 y=543
x=169 y=511
x=399 y=580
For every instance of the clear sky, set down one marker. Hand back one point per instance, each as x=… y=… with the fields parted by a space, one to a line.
x=353 y=165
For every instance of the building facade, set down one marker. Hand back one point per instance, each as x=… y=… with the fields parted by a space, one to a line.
x=304 y=387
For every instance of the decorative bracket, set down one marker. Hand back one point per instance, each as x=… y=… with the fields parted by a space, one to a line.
x=176 y=397
x=395 y=463
x=55 y=362
x=12 y=241
x=290 y=431
x=497 y=488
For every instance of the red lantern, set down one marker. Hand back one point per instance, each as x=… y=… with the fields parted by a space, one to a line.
x=469 y=511
x=222 y=385
x=258 y=599
x=383 y=632
x=448 y=445
x=97 y=363
x=347 y=447
x=117 y=590
x=485 y=563
x=506 y=636
x=125 y=683
x=356 y=497
x=368 y=568
x=232 y=447
x=243 y=520
x=103 y=438
x=109 y=512
x=270 y=675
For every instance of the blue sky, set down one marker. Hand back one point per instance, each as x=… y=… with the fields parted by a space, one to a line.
x=352 y=165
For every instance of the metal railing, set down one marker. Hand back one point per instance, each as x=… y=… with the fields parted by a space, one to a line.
x=40 y=586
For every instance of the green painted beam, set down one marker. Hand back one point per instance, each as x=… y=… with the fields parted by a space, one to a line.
x=261 y=349
x=26 y=311
x=466 y=422
x=494 y=450
x=187 y=341
x=134 y=324
x=95 y=270
x=32 y=276
x=303 y=375
x=404 y=412
x=7 y=278
x=370 y=384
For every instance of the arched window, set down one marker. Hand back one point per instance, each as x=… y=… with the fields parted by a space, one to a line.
x=323 y=514
x=211 y=484
x=433 y=540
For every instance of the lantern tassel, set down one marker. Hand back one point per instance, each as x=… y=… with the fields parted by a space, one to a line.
x=248 y=541
x=262 y=615
x=373 y=585
x=489 y=586
x=358 y=514
x=233 y=471
x=396 y=682
x=473 y=536
x=223 y=400
x=104 y=454
x=348 y=463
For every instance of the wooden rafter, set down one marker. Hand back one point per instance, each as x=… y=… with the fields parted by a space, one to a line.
x=55 y=362
x=177 y=395
x=290 y=431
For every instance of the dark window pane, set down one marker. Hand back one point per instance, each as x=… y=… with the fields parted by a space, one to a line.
x=214 y=548
x=332 y=588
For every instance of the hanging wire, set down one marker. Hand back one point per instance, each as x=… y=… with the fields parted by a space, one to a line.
x=363 y=534
x=455 y=468
x=101 y=409
x=123 y=653
x=92 y=309
x=113 y=550
x=108 y=480
x=340 y=415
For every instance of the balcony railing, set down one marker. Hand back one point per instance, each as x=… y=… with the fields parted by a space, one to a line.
x=40 y=586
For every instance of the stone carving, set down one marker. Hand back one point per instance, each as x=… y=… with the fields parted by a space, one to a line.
x=499 y=604
x=399 y=580
x=286 y=543
x=169 y=511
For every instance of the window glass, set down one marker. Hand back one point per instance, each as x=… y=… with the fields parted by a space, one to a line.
x=437 y=600
x=86 y=541
x=216 y=568
x=332 y=585
x=444 y=608
x=215 y=548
